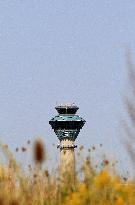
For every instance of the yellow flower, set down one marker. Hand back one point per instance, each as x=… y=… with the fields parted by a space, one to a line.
x=78 y=198
x=120 y=201
x=102 y=179
x=82 y=188
x=129 y=189
x=117 y=185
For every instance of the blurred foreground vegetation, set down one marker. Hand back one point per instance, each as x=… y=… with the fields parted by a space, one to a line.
x=39 y=187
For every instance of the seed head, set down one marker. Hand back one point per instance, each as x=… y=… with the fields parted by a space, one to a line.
x=106 y=162
x=46 y=173
x=39 y=152
x=93 y=148
x=23 y=149
x=17 y=149
x=28 y=141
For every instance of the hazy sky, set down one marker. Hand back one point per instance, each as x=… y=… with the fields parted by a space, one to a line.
x=64 y=51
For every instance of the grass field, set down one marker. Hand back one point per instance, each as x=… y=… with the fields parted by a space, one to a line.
x=39 y=187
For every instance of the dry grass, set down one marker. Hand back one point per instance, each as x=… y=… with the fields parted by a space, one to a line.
x=38 y=187
x=128 y=125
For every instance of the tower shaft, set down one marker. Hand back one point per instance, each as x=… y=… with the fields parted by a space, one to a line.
x=67 y=160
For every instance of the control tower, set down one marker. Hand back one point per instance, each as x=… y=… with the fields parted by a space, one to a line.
x=67 y=126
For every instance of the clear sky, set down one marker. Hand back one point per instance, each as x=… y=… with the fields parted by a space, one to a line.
x=64 y=51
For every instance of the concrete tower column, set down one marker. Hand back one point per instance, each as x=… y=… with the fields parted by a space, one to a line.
x=67 y=159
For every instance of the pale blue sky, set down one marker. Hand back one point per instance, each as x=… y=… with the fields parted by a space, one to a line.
x=64 y=51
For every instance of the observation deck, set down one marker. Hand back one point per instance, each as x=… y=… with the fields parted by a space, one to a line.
x=67 y=124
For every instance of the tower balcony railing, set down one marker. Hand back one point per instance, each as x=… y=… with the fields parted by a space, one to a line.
x=66 y=147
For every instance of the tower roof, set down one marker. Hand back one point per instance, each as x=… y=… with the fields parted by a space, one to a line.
x=67 y=109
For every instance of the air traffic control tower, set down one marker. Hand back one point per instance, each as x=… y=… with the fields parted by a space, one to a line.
x=67 y=126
